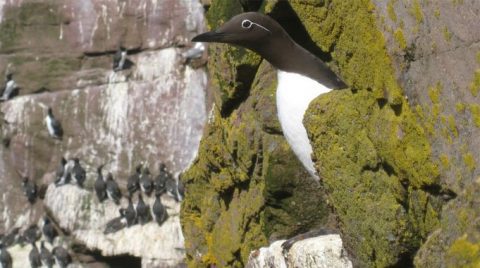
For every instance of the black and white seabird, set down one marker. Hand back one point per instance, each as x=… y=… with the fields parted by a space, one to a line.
x=130 y=214
x=62 y=258
x=10 y=87
x=34 y=257
x=119 y=59
x=32 y=233
x=133 y=180
x=172 y=189
x=146 y=183
x=160 y=181
x=59 y=178
x=48 y=230
x=195 y=52
x=143 y=211
x=5 y=257
x=159 y=211
x=30 y=189
x=100 y=185
x=113 y=191
x=11 y=238
x=53 y=125
x=46 y=256
x=301 y=76
x=78 y=172
x=116 y=224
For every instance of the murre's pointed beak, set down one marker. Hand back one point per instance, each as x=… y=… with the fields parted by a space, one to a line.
x=212 y=36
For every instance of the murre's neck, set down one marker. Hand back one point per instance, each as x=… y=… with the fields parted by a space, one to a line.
x=286 y=55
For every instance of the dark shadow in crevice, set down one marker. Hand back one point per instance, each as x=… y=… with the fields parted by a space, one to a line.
x=397 y=109
x=405 y=260
x=437 y=190
x=119 y=261
x=385 y=166
x=250 y=5
x=244 y=79
x=382 y=102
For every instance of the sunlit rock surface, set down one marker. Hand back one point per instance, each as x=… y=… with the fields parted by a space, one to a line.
x=317 y=252
x=61 y=56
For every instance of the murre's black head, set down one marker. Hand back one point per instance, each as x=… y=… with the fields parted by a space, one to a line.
x=251 y=30
x=162 y=167
x=122 y=212
x=265 y=36
x=9 y=76
x=138 y=168
x=76 y=160
x=63 y=161
x=25 y=180
x=109 y=176
x=49 y=111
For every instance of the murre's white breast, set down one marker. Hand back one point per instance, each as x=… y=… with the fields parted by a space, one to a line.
x=294 y=94
x=49 y=123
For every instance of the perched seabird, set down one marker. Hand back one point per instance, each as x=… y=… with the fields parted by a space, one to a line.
x=159 y=211
x=119 y=59
x=172 y=189
x=100 y=185
x=78 y=172
x=301 y=75
x=10 y=86
x=62 y=258
x=34 y=257
x=48 y=230
x=53 y=125
x=130 y=214
x=133 y=180
x=11 y=238
x=32 y=233
x=143 y=211
x=161 y=179
x=5 y=257
x=116 y=224
x=60 y=171
x=113 y=191
x=146 y=183
x=30 y=189
x=46 y=256
x=195 y=52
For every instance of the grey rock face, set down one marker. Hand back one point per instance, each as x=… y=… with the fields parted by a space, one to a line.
x=153 y=111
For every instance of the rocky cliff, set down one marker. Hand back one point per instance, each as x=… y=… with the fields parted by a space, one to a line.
x=60 y=54
x=397 y=151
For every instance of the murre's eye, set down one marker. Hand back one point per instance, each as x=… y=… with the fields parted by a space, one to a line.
x=246 y=24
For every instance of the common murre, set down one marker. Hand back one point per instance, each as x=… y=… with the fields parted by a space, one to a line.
x=301 y=75
x=5 y=257
x=53 y=125
x=46 y=256
x=119 y=59
x=34 y=256
x=10 y=87
x=100 y=186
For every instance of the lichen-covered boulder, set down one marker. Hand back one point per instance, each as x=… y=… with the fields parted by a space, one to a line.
x=323 y=252
x=397 y=151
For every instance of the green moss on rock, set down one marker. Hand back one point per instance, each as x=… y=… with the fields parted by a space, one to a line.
x=400 y=38
x=373 y=155
x=475 y=84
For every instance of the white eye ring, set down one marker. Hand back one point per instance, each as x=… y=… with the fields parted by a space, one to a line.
x=246 y=24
